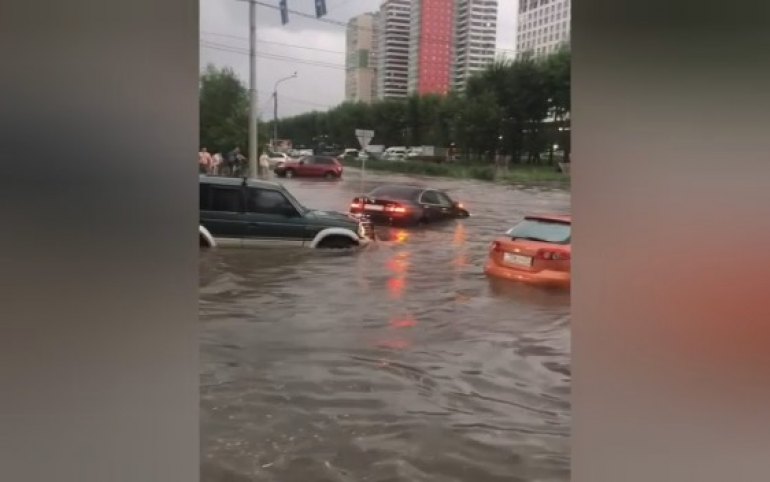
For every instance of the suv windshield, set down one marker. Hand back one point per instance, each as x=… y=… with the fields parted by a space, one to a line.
x=302 y=209
x=542 y=230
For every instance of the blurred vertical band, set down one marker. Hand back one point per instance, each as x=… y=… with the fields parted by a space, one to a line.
x=98 y=270
x=671 y=328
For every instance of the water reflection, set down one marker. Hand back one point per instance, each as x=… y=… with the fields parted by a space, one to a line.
x=401 y=362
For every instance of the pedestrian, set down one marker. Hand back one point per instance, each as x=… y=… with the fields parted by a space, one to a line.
x=242 y=168
x=264 y=165
x=231 y=162
x=204 y=161
x=216 y=163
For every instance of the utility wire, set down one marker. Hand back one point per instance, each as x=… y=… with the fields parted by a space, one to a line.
x=428 y=39
x=285 y=58
x=282 y=44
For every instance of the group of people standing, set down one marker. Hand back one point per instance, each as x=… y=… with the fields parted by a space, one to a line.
x=233 y=164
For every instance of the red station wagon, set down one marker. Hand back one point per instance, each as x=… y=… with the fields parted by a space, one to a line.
x=310 y=166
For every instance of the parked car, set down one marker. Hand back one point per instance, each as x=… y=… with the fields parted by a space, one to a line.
x=277 y=158
x=349 y=153
x=242 y=213
x=537 y=251
x=414 y=152
x=310 y=166
x=397 y=204
x=394 y=154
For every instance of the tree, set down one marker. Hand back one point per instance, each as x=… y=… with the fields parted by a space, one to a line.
x=504 y=108
x=224 y=110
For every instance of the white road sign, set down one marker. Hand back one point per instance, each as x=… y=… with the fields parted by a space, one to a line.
x=364 y=137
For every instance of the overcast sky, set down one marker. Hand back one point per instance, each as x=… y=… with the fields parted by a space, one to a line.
x=224 y=26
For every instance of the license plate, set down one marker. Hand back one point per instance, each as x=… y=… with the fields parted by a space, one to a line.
x=374 y=207
x=517 y=259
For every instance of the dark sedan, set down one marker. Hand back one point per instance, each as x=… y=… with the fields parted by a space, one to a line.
x=407 y=205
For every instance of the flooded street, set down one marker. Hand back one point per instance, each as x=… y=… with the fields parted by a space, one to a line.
x=400 y=362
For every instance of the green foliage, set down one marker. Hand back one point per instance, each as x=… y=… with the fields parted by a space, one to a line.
x=501 y=111
x=519 y=174
x=224 y=111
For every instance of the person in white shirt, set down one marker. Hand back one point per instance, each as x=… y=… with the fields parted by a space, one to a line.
x=264 y=165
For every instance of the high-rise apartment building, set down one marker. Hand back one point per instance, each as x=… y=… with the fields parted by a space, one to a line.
x=543 y=26
x=361 y=59
x=431 y=46
x=393 y=49
x=475 y=38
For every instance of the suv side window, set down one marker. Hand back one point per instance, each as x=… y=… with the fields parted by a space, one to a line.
x=203 y=197
x=268 y=201
x=226 y=199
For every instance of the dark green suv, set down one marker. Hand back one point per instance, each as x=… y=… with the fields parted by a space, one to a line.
x=242 y=213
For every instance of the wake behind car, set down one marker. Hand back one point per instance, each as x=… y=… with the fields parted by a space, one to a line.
x=310 y=166
x=241 y=213
x=397 y=204
x=535 y=251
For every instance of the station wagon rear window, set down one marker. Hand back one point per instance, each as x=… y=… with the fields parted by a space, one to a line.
x=542 y=230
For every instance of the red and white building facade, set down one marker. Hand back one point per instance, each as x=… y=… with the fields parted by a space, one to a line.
x=431 y=46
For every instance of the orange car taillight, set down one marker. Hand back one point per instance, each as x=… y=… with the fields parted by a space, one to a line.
x=495 y=247
x=554 y=255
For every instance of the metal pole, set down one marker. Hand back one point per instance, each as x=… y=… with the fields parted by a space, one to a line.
x=275 y=104
x=275 y=116
x=253 y=139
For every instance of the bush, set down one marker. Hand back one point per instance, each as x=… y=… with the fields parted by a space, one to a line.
x=483 y=173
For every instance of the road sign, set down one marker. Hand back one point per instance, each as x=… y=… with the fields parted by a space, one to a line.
x=364 y=137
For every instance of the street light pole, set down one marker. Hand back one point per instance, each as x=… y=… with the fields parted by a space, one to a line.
x=275 y=106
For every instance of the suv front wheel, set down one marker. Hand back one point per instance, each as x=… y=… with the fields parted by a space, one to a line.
x=337 y=242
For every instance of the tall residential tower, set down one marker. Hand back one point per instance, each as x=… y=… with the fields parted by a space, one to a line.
x=543 y=26
x=361 y=58
x=475 y=38
x=431 y=43
x=393 y=49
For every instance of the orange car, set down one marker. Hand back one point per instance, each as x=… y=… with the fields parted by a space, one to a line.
x=536 y=251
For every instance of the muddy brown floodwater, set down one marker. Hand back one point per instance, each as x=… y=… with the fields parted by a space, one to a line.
x=400 y=362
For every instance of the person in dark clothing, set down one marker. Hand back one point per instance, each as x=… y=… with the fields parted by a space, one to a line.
x=232 y=162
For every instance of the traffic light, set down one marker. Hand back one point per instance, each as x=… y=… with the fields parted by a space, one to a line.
x=284 y=12
x=320 y=8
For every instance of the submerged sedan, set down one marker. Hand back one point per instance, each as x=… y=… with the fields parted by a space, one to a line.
x=397 y=204
x=536 y=251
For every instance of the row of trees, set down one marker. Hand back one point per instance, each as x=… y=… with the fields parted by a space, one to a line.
x=519 y=108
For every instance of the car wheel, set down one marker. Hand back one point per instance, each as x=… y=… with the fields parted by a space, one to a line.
x=289 y=173
x=336 y=242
